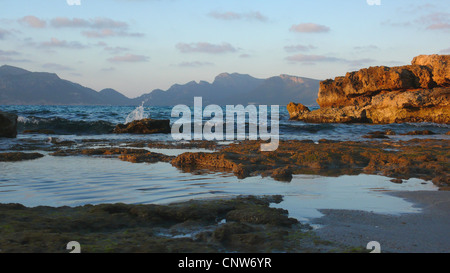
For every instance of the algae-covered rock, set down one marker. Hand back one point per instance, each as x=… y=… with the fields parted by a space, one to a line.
x=8 y=125
x=187 y=227
x=144 y=126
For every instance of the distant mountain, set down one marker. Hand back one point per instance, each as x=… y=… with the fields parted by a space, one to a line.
x=113 y=97
x=283 y=89
x=19 y=86
x=236 y=89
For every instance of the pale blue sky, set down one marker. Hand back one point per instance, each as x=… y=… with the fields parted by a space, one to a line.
x=135 y=46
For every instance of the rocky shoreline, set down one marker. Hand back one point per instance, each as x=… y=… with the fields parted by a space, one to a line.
x=419 y=92
x=242 y=224
x=425 y=159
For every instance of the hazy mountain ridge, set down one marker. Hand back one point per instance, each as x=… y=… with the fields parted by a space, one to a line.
x=19 y=86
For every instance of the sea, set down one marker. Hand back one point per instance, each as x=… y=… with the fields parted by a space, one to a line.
x=78 y=180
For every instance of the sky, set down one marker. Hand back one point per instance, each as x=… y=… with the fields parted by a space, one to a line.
x=136 y=46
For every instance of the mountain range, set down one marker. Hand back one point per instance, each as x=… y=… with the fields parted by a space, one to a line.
x=21 y=87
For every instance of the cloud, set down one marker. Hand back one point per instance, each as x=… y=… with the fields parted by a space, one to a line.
x=396 y=24
x=32 y=21
x=195 y=64
x=99 y=34
x=61 y=22
x=56 y=67
x=107 y=23
x=365 y=48
x=439 y=26
x=445 y=51
x=129 y=58
x=3 y=33
x=245 y=56
x=203 y=47
x=95 y=23
x=99 y=27
x=228 y=16
x=115 y=50
x=435 y=21
x=309 y=28
x=296 y=48
x=108 y=69
x=360 y=62
x=312 y=59
x=9 y=53
x=10 y=56
x=431 y=21
x=104 y=33
x=62 y=44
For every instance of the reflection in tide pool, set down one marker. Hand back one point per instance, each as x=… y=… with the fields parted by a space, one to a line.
x=75 y=181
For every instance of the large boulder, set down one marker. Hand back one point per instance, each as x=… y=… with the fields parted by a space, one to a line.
x=297 y=109
x=144 y=126
x=419 y=92
x=357 y=87
x=440 y=65
x=8 y=125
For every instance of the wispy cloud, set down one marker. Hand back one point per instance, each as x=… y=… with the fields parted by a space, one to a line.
x=33 y=21
x=116 y=49
x=431 y=21
x=95 y=23
x=296 y=48
x=56 y=67
x=100 y=27
x=108 y=69
x=195 y=64
x=229 y=15
x=203 y=47
x=312 y=59
x=129 y=58
x=445 y=51
x=11 y=56
x=309 y=28
x=3 y=33
x=104 y=33
x=245 y=56
x=56 y=43
x=436 y=21
x=366 y=48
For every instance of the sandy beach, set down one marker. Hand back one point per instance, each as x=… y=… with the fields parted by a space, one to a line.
x=425 y=232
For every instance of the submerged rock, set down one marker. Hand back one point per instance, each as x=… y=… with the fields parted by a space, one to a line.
x=19 y=156
x=8 y=125
x=418 y=158
x=419 y=92
x=416 y=133
x=144 y=126
x=39 y=131
x=190 y=227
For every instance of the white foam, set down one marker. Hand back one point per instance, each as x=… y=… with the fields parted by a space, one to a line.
x=137 y=114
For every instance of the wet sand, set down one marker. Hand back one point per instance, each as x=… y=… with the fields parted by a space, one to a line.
x=425 y=232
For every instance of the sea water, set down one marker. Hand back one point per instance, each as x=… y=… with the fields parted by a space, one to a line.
x=75 y=180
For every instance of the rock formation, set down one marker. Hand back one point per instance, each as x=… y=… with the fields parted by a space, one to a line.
x=419 y=92
x=8 y=125
x=144 y=126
